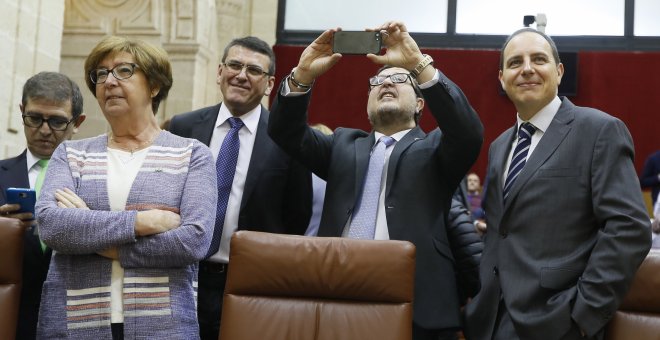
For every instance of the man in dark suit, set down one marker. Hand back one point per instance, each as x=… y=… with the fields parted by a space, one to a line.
x=420 y=172
x=567 y=227
x=51 y=107
x=650 y=177
x=269 y=192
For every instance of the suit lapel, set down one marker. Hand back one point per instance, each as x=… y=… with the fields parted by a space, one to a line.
x=203 y=129
x=363 y=148
x=260 y=151
x=557 y=131
x=399 y=148
x=500 y=154
x=13 y=173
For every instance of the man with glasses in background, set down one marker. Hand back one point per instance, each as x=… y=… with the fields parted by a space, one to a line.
x=260 y=187
x=51 y=107
x=395 y=182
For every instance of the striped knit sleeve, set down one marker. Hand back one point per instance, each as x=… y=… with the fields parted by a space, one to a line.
x=77 y=231
x=189 y=242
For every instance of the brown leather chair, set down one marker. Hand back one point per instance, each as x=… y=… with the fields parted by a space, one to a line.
x=638 y=316
x=11 y=262
x=299 y=288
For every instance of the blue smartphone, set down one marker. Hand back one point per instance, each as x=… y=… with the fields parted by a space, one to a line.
x=23 y=196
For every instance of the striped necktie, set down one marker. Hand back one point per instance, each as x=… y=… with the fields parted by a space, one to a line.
x=519 y=158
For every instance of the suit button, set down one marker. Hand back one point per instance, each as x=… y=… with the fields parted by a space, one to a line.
x=496 y=271
x=504 y=234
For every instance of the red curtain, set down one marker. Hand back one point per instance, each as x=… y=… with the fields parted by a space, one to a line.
x=623 y=84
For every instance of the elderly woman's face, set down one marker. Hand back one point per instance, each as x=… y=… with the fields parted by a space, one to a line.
x=117 y=97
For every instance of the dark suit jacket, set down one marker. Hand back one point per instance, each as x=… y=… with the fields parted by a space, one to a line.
x=13 y=173
x=423 y=172
x=566 y=244
x=277 y=197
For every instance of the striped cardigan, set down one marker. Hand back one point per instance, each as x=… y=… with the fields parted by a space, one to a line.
x=160 y=282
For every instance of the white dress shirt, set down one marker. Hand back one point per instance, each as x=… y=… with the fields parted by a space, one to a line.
x=246 y=136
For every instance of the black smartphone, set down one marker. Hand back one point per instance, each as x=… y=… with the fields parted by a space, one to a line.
x=356 y=42
x=25 y=197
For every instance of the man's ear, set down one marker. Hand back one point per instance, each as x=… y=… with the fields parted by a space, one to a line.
x=560 y=72
x=217 y=77
x=78 y=121
x=420 y=104
x=21 y=107
x=271 y=84
x=154 y=92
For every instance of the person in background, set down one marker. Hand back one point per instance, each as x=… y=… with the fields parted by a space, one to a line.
x=127 y=213
x=318 y=192
x=650 y=177
x=51 y=108
x=260 y=187
x=655 y=223
x=474 y=195
x=567 y=228
x=474 y=200
x=395 y=182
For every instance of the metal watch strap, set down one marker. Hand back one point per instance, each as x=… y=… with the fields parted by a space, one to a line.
x=426 y=61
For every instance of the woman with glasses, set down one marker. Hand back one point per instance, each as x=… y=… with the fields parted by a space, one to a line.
x=127 y=213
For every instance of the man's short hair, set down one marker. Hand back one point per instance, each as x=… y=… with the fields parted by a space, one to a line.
x=151 y=59
x=56 y=87
x=555 y=52
x=253 y=44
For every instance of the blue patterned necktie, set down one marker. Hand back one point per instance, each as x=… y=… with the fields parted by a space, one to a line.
x=363 y=224
x=225 y=167
x=519 y=156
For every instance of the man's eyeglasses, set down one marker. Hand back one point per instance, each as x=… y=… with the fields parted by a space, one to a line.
x=55 y=123
x=252 y=70
x=395 y=78
x=120 y=72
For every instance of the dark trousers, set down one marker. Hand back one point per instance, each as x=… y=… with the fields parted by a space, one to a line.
x=432 y=334
x=504 y=329
x=117 y=331
x=212 y=278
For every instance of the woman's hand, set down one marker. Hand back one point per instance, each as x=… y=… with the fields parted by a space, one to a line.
x=111 y=253
x=155 y=221
x=68 y=199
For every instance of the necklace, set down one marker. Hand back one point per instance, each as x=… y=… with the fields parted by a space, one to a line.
x=131 y=150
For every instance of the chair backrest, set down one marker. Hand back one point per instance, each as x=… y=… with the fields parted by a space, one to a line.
x=638 y=316
x=11 y=262
x=297 y=287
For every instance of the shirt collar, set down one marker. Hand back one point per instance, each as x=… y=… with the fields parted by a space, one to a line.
x=250 y=119
x=397 y=136
x=542 y=119
x=31 y=159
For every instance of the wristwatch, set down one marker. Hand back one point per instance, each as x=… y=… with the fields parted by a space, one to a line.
x=426 y=61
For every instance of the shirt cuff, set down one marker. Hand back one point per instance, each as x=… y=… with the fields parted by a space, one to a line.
x=286 y=90
x=433 y=81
